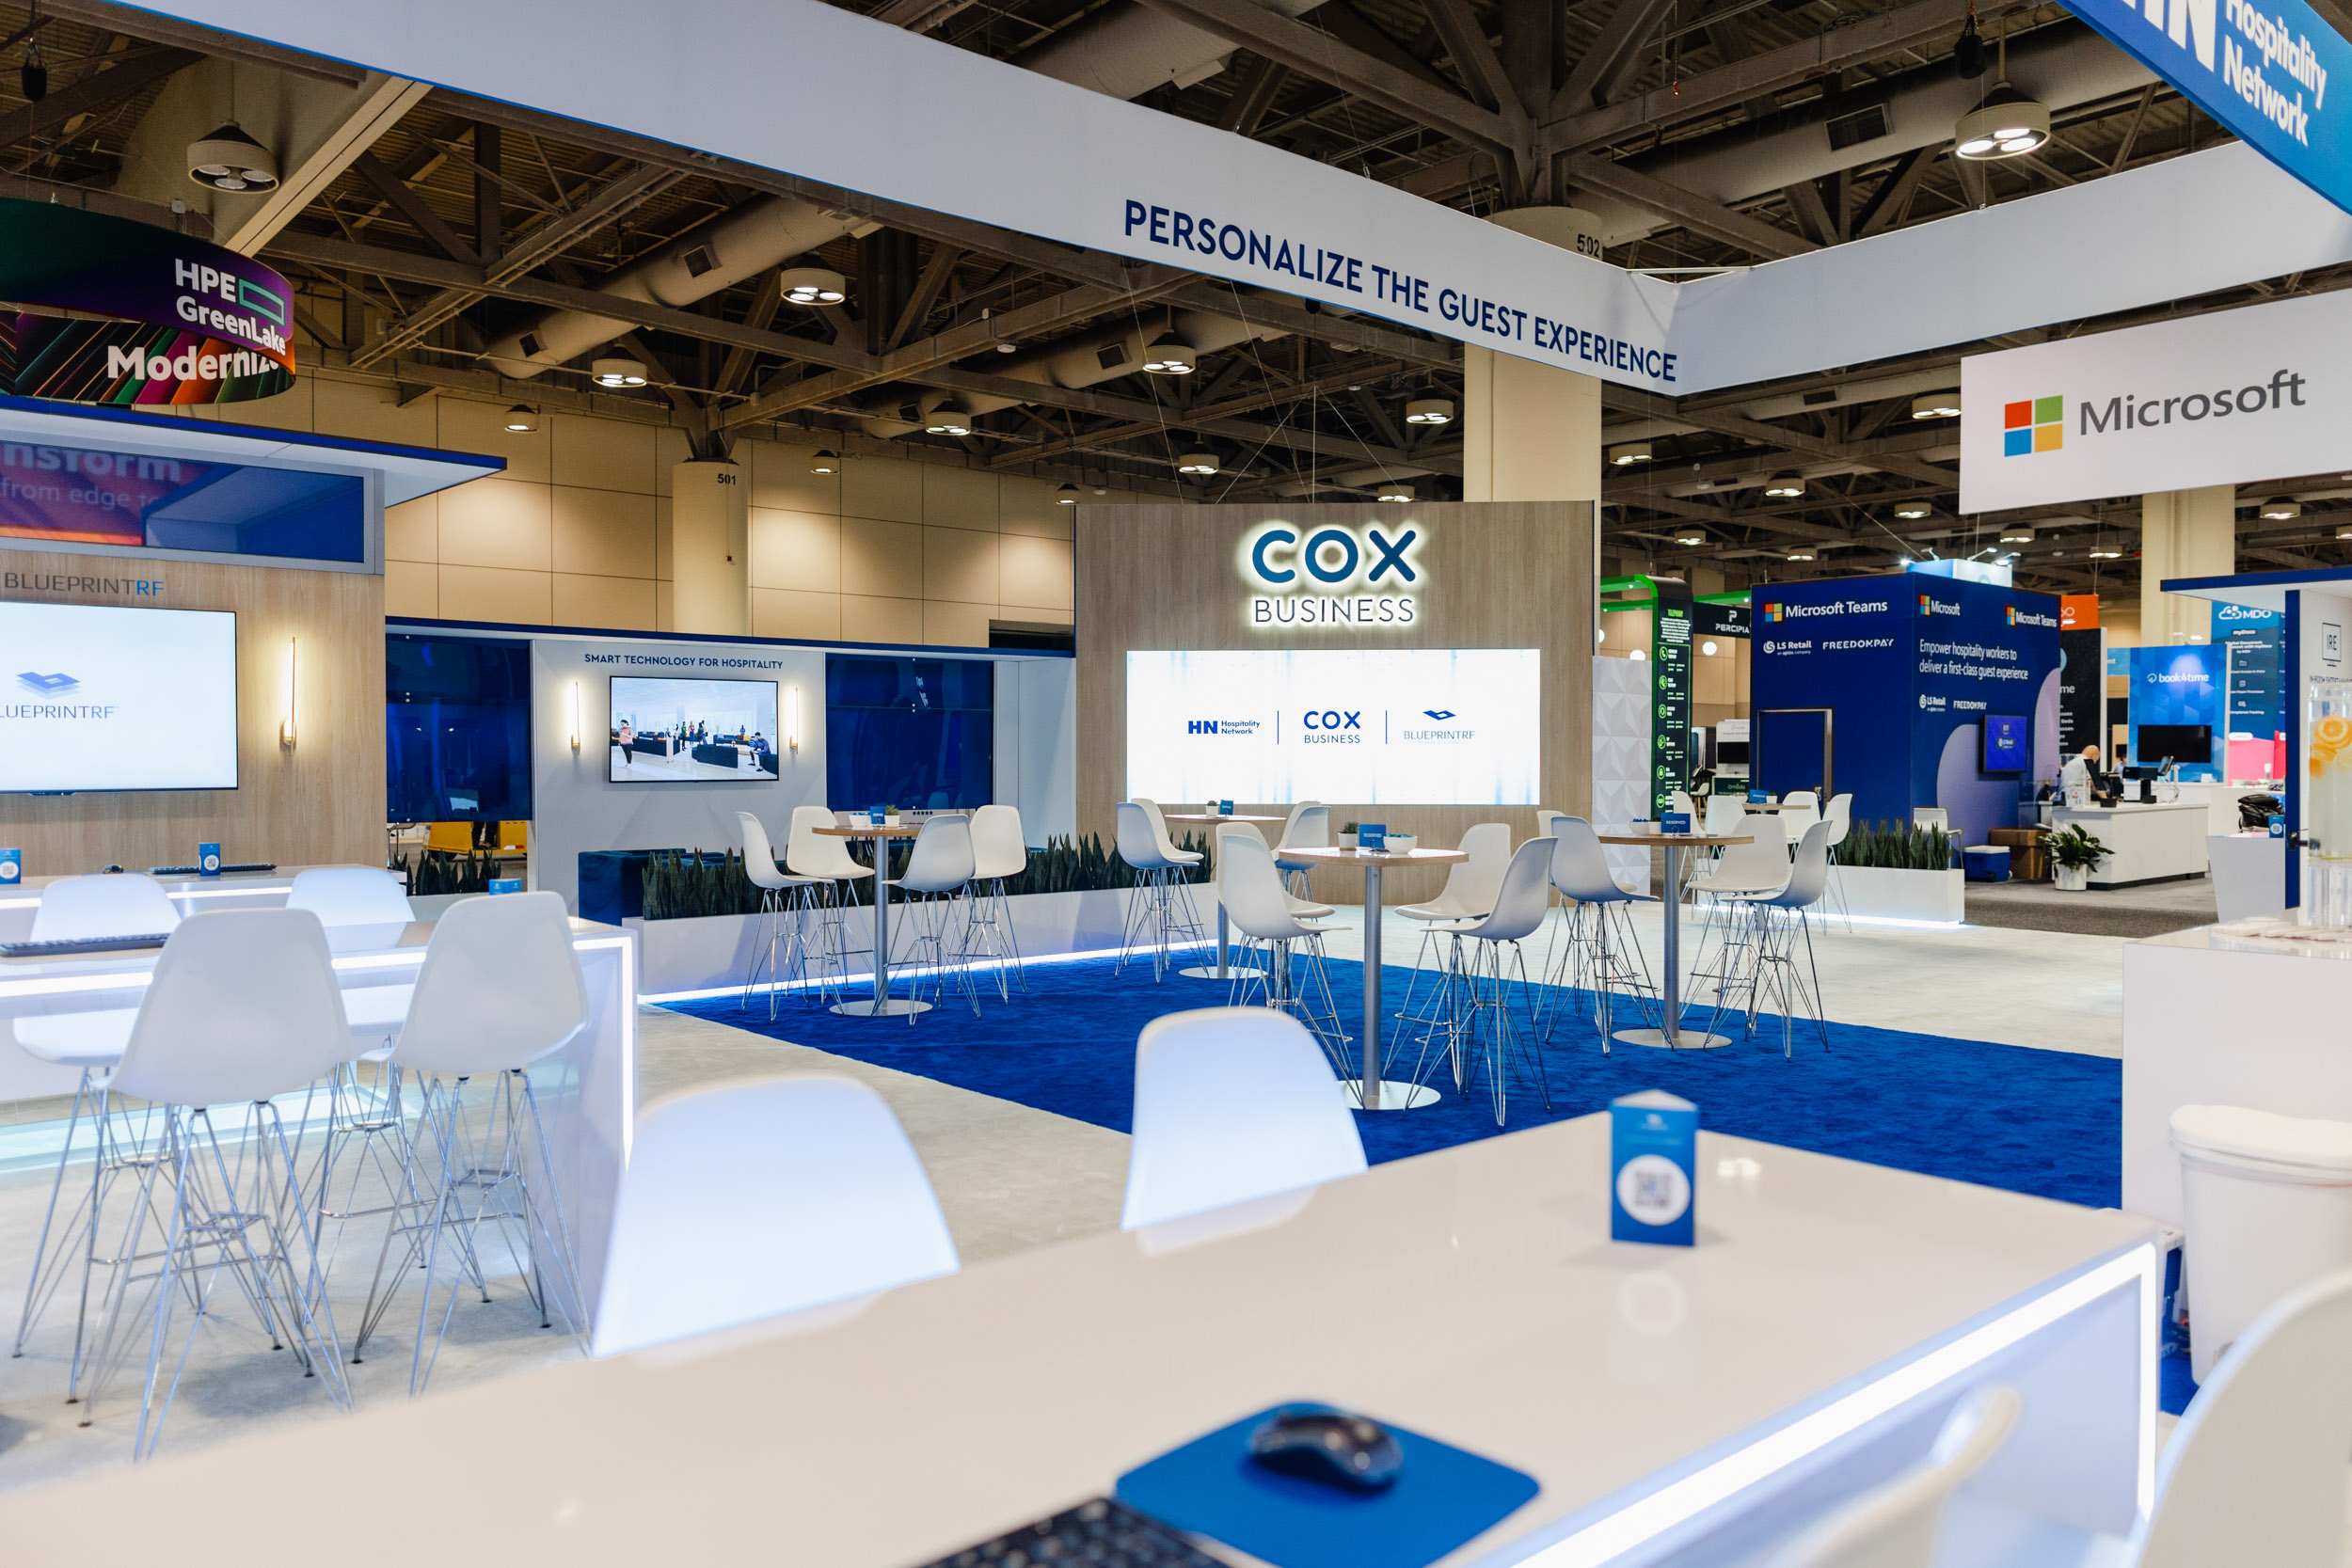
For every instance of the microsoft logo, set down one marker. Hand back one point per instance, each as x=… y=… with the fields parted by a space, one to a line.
x=2031 y=425
x=1771 y=611
x=1926 y=604
x=2012 y=615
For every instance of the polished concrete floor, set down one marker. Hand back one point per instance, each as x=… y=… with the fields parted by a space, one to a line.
x=1008 y=1177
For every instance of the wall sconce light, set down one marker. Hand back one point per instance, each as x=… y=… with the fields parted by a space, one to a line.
x=574 y=715
x=286 y=725
x=792 y=717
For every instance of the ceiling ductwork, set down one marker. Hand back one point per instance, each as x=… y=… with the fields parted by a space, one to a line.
x=2061 y=66
x=1087 y=359
x=719 y=255
x=1124 y=50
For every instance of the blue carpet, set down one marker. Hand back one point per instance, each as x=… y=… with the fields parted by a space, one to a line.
x=2044 y=1122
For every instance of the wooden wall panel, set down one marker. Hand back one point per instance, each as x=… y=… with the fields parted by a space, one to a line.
x=1496 y=575
x=320 y=801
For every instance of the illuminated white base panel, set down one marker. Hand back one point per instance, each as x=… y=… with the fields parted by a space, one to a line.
x=2083 y=1352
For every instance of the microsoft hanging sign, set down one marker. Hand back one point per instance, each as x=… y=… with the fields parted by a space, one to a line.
x=2264 y=68
x=106 y=311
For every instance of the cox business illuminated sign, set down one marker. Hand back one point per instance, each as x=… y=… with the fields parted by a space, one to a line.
x=1332 y=577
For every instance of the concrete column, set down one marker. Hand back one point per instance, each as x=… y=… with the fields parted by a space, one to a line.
x=711 y=551
x=2184 y=533
x=1530 y=433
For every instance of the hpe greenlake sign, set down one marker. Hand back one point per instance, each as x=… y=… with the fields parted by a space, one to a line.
x=192 y=322
x=2274 y=73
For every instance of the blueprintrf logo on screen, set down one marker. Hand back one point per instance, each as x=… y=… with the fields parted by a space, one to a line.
x=1439 y=714
x=46 y=685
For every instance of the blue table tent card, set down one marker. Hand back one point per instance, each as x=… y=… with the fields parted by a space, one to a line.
x=1371 y=835
x=1653 y=1168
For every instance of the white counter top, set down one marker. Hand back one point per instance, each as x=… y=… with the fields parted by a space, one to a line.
x=1470 y=1295
x=2145 y=842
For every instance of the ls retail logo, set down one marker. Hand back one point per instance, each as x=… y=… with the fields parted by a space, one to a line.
x=47 y=686
x=2032 y=425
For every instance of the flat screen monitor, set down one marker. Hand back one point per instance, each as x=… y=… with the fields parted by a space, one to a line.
x=2188 y=744
x=105 y=698
x=692 y=731
x=1373 y=727
x=1732 y=754
x=2004 y=743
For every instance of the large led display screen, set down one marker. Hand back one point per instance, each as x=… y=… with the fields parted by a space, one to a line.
x=692 y=731
x=93 y=697
x=1392 y=727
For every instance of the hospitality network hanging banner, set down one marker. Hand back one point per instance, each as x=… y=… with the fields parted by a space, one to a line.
x=2271 y=71
x=2223 y=399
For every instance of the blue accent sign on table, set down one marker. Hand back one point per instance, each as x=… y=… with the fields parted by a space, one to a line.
x=1653 y=1168
x=11 y=868
x=1371 y=835
x=1675 y=822
x=2264 y=68
x=208 y=860
x=506 y=884
x=1756 y=797
x=874 y=816
x=2278 y=829
x=1225 y=808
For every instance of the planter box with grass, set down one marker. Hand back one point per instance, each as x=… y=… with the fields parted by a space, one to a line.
x=1894 y=871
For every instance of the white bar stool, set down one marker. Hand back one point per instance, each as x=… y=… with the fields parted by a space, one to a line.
x=782 y=901
x=936 y=927
x=1260 y=908
x=1603 y=954
x=1482 y=996
x=1159 y=911
x=1000 y=852
x=825 y=860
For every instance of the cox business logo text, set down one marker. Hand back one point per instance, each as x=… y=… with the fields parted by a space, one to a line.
x=1375 y=561
x=1330 y=727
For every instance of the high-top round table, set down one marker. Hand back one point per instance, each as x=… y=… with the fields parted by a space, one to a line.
x=1375 y=1093
x=881 y=1005
x=1218 y=971
x=1670 y=965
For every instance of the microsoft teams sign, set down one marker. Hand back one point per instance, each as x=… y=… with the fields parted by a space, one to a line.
x=2176 y=405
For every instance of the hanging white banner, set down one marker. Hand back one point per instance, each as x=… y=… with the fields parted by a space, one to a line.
x=2224 y=398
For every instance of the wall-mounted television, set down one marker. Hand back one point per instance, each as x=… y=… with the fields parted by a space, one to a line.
x=2004 y=744
x=692 y=731
x=107 y=697
x=2191 y=744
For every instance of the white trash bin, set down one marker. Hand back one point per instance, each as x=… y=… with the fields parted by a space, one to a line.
x=2266 y=1201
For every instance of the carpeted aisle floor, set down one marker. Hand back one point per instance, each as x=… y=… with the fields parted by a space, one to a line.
x=2044 y=1122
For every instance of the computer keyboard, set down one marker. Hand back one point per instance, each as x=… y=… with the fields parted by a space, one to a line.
x=67 y=947
x=245 y=868
x=1104 y=1533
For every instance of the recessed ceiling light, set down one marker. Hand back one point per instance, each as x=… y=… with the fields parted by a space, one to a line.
x=617 y=371
x=812 y=286
x=522 y=417
x=1429 y=411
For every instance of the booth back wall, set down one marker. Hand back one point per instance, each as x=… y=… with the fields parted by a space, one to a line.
x=1487 y=574
x=319 y=802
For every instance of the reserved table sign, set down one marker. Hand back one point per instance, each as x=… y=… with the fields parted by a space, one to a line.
x=1675 y=822
x=1371 y=835
x=1653 y=1168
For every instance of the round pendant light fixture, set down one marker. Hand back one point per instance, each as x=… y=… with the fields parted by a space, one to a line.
x=1066 y=496
x=825 y=460
x=812 y=286
x=1196 y=462
x=2279 y=509
x=228 y=160
x=1168 y=357
x=2008 y=125
x=522 y=418
x=1691 y=538
x=1626 y=453
x=1429 y=411
x=617 y=371
x=1396 y=490
x=1785 y=485
x=1800 y=552
x=946 y=420
x=2016 y=533
x=1936 y=405
x=1910 y=511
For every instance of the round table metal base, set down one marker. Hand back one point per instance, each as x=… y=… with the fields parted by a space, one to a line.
x=898 y=1007
x=1393 y=1095
x=1689 y=1039
x=1208 y=972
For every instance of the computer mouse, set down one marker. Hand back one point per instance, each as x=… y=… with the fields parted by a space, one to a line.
x=1318 y=1443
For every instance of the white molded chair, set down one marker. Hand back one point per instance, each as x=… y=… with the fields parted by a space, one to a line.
x=1838 y=814
x=2255 y=1471
x=745 y=1201
x=1159 y=912
x=1800 y=809
x=1480 y=1014
x=124 y=904
x=1305 y=908
x=1899 y=1522
x=91 y=1042
x=783 y=900
x=343 y=895
x=1292 y=978
x=1780 y=920
x=1725 y=814
x=1232 y=1104
x=1000 y=850
x=825 y=860
x=937 y=929
x=499 y=990
x=244 y=1005
x=1470 y=891
x=1680 y=800
x=1760 y=867
x=1603 y=953
x=1308 y=827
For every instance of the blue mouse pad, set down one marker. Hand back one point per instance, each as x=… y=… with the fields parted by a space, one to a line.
x=1441 y=1498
